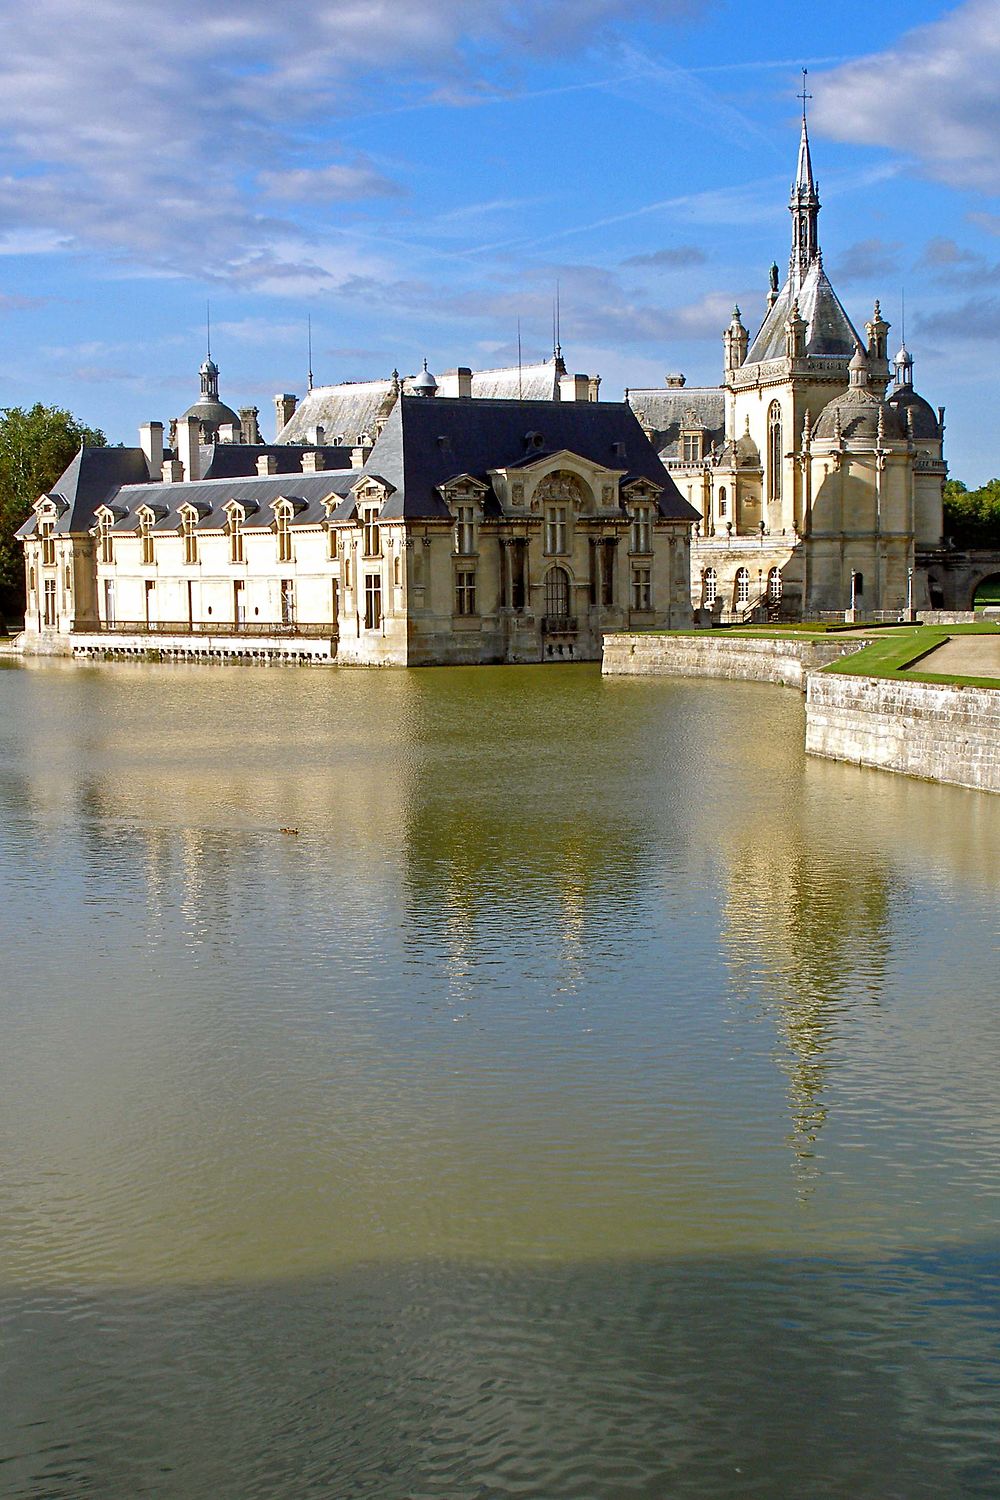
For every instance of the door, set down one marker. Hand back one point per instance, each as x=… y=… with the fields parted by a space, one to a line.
x=239 y=604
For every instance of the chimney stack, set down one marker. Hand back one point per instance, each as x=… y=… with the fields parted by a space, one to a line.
x=249 y=426
x=574 y=388
x=313 y=462
x=675 y=382
x=284 y=411
x=267 y=463
x=230 y=433
x=316 y=436
x=172 y=471
x=189 y=447
x=151 y=443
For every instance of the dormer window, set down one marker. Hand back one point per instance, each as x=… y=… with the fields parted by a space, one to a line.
x=234 y=530
x=691 y=447
x=283 y=532
x=189 y=536
x=146 y=538
x=370 y=531
x=465 y=529
x=105 y=544
x=642 y=529
x=46 y=532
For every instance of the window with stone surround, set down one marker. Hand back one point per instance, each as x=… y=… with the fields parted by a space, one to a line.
x=283 y=532
x=146 y=538
x=465 y=529
x=642 y=529
x=555 y=530
x=190 y=536
x=711 y=587
x=373 y=601
x=642 y=588
x=741 y=594
x=105 y=543
x=465 y=591
x=774 y=446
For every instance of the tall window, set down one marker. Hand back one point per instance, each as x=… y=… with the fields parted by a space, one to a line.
x=109 y=600
x=46 y=532
x=190 y=537
x=283 y=532
x=742 y=594
x=607 y=555
x=557 y=592
x=288 y=601
x=105 y=545
x=146 y=538
x=555 y=529
x=642 y=529
x=373 y=544
x=518 y=572
x=774 y=585
x=331 y=543
x=49 y=597
x=465 y=529
x=691 y=447
x=465 y=592
x=234 y=526
x=774 y=451
x=722 y=501
x=711 y=587
x=373 y=601
x=642 y=589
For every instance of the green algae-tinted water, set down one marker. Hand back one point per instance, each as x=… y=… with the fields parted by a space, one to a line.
x=593 y=1098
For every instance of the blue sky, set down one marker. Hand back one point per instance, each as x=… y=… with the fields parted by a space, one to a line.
x=417 y=175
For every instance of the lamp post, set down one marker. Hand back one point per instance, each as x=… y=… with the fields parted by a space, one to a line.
x=760 y=594
x=909 y=594
x=854 y=588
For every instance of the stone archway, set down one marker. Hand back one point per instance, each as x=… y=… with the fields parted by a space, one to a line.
x=986 y=592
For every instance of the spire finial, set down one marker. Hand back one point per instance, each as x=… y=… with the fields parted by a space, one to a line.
x=208 y=329
x=804 y=94
x=309 y=341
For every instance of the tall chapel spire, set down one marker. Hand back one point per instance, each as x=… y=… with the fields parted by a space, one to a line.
x=804 y=204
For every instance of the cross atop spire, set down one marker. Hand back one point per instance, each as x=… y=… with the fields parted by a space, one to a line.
x=804 y=204
x=804 y=95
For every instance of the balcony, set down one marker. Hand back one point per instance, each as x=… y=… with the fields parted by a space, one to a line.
x=250 y=630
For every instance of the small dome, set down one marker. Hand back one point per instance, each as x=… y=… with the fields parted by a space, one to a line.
x=208 y=367
x=859 y=417
x=211 y=413
x=858 y=360
x=903 y=357
x=425 y=384
x=913 y=409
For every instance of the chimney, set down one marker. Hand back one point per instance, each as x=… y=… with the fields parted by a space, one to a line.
x=284 y=410
x=675 y=382
x=151 y=443
x=189 y=447
x=316 y=436
x=172 y=471
x=359 y=455
x=594 y=388
x=574 y=388
x=249 y=426
x=267 y=463
x=464 y=383
x=230 y=433
x=313 y=462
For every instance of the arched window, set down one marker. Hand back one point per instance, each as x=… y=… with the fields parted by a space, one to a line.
x=557 y=592
x=283 y=532
x=722 y=501
x=859 y=584
x=711 y=587
x=774 y=585
x=741 y=595
x=774 y=451
x=104 y=543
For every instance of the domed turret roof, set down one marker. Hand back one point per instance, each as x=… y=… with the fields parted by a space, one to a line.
x=212 y=412
x=859 y=410
x=913 y=409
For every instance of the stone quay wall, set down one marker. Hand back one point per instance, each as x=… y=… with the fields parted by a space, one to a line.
x=785 y=661
x=940 y=732
x=221 y=649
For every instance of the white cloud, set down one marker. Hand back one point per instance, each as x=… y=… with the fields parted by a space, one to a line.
x=934 y=94
x=145 y=131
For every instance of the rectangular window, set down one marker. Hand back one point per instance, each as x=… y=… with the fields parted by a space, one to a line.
x=518 y=588
x=105 y=545
x=146 y=540
x=150 y=601
x=373 y=542
x=642 y=530
x=609 y=553
x=239 y=602
x=691 y=447
x=49 y=596
x=109 y=601
x=283 y=530
x=235 y=538
x=465 y=530
x=190 y=540
x=48 y=545
x=288 y=601
x=465 y=592
x=373 y=601
x=331 y=543
x=642 y=592
x=555 y=529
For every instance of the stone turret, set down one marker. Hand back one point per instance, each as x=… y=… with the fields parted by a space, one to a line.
x=735 y=342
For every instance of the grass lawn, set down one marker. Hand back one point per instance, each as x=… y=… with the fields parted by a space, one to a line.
x=898 y=655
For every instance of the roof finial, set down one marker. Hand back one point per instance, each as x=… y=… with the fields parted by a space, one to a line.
x=208 y=328
x=804 y=95
x=309 y=340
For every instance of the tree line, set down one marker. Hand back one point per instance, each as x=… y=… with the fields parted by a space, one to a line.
x=972 y=517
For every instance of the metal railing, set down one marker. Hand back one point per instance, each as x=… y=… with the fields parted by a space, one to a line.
x=253 y=629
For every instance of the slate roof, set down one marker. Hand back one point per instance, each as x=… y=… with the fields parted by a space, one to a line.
x=93 y=474
x=210 y=497
x=665 y=409
x=925 y=423
x=859 y=417
x=538 y=382
x=829 y=331
x=239 y=460
x=427 y=442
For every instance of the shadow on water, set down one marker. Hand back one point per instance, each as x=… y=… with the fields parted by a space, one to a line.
x=702 y=1380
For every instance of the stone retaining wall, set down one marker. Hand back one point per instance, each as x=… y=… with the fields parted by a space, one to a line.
x=262 y=650
x=944 y=733
x=735 y=658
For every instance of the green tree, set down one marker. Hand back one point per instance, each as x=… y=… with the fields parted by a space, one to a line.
x=972 y=517
x=35 y=446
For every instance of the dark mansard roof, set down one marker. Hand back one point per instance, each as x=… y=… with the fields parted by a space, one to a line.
x=93 y=474
x=666 y=410
x=426 y=443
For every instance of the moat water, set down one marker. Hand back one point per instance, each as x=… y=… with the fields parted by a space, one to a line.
x=592 y=1098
